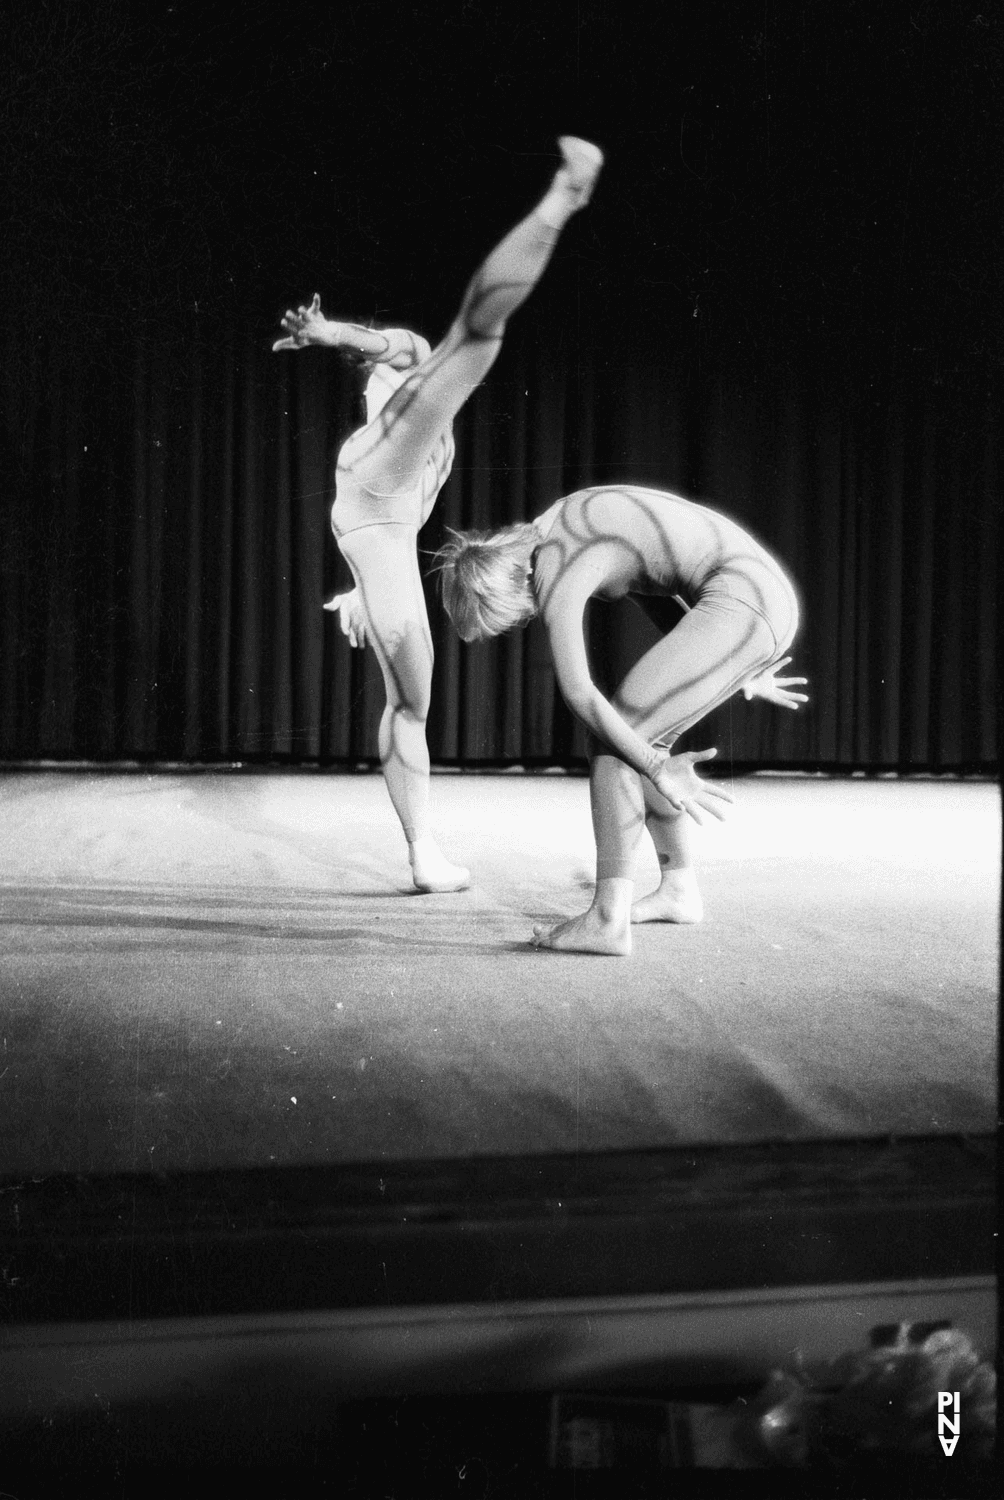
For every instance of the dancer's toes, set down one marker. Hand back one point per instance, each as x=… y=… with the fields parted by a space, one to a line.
x=582 y=166
x=586 y=934
x=677 y=899
x=432 y=871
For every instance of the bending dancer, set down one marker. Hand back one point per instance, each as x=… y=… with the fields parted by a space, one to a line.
x=390 y=471
x=741 y=614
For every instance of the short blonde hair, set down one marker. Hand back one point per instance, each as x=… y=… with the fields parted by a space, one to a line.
x=484 y=578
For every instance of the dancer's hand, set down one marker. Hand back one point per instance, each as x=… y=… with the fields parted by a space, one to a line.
x=351 y=616
x=307 y=325
x=774 y=689
x=683 y=789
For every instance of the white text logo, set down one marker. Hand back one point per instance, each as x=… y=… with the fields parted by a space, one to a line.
x=948 y=1420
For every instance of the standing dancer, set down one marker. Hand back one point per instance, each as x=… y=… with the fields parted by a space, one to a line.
x=741 y=614
x=390 y=471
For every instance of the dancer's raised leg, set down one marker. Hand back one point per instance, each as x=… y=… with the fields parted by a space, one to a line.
x=391 y=452
x=400 y=636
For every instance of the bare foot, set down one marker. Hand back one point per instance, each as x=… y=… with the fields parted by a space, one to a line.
x=677 y=899
x=432 y=871
x=589 y=933
x=582 y=166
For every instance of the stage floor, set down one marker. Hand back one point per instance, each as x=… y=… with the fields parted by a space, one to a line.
x=230 y=969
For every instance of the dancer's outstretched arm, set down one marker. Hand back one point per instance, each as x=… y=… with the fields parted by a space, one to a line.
x=397 y=347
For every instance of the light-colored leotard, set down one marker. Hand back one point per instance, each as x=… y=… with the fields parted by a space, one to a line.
x=358 y=504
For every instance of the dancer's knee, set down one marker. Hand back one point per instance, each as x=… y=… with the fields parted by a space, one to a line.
x=486 y=309
x=468 y=351
x=482 y=326
x=411 y=708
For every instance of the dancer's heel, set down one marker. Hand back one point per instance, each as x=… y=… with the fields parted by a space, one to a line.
x=432 y=871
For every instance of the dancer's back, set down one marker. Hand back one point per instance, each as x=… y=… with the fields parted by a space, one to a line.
x=643 y=540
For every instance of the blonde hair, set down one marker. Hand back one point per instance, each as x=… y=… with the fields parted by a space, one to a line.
x=484 y=578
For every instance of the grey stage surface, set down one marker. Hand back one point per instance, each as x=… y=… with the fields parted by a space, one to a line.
x=216 y=970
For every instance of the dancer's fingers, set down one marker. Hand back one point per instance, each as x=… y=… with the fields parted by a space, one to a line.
x=697 y=755
x=315 y=307
x=716 y=812
x=711 y=790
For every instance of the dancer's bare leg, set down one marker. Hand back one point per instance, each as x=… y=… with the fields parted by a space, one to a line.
x=407 y=443
x=399 y=633
x=622 y=804
x=677 y=897
x=618 y=807
x=681 y=678
x=390 y=454
x=400 y=448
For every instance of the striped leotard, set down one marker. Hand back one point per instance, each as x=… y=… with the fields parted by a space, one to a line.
x=742 y=609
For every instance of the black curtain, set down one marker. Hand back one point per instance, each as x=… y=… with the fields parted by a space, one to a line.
x=781 y=302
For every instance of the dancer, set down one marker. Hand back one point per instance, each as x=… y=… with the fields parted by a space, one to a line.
x=390 y=471
x=741 y=614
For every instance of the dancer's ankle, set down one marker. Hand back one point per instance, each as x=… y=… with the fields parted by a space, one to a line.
x=612 y=901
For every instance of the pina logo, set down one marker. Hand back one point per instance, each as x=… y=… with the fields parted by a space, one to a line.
x=948 y=1420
